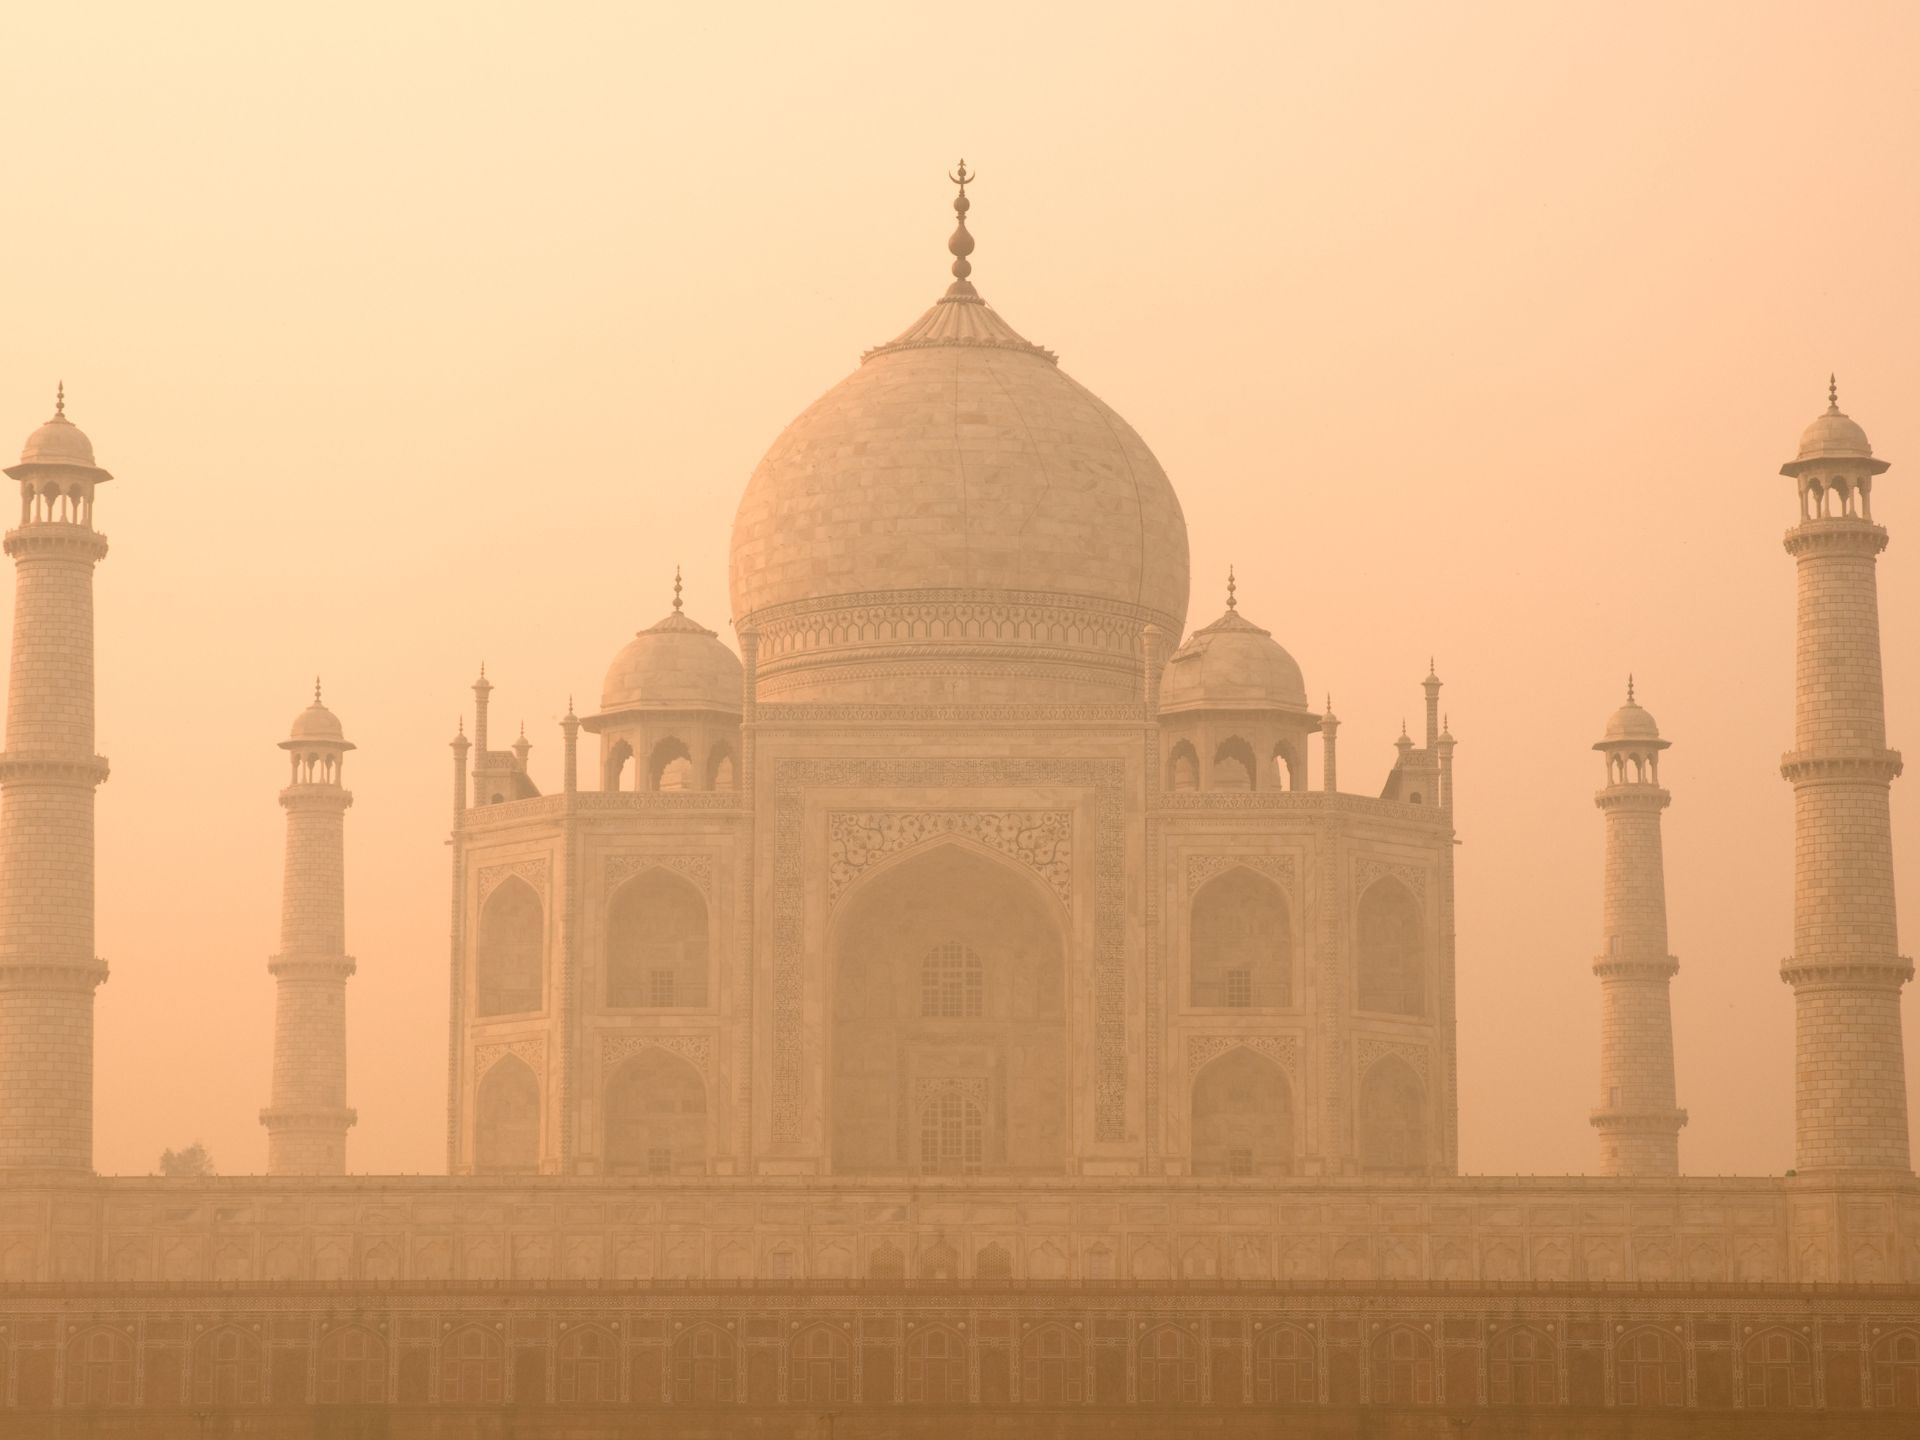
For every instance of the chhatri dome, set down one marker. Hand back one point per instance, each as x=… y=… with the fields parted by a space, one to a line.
x=677 y=664
x=956 y=503
x=60 y=442
x=316 y=723
x=1232 y=664
x=1631 y=724
x=1833 y=435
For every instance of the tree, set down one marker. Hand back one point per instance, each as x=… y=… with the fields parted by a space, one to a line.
x=187 y=1163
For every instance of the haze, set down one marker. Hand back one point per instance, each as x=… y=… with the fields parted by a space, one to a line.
x=421 y=335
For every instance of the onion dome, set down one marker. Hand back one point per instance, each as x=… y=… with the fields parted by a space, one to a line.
x=955 y=504
x=1833 y=436
x=677 y=664
x=1232 y=664
x=316 y=726
x=1631 y=727
x=60 y=443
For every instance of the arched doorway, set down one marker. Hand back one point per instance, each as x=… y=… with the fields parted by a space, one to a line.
x=507 y=1119
x=949 y=1021
x=1242 y=1117
x=656 y=1117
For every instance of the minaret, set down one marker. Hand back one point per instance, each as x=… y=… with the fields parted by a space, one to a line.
x=1639 y=1123
x=1850 y=1103
x=308 y=1119
x=48 y=773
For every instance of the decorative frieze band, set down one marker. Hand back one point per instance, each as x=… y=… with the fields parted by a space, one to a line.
x=532 y=1049
x=1367 y=869
x=697 y=868
x=1368 y=1052
x=1277 y=868
x=1041 y=840
x=1283 y=1050
x=697 y=1050
x=533 y=871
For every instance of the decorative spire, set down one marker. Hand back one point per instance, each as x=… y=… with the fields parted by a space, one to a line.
x=1833 y=394
x=1232 y=586
x=960 y=243
x=1433 y=671
x=1629 y=687
x=60 y=401
x=676 y=596
x=316 y=689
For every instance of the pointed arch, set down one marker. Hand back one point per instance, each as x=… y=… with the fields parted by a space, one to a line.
x=352 y=1367
x=1286 y=1367
x=1168 y=1368
x=1053 y=1365
x=1402 y=1364
x=473 y=1367
x=1393 y=1118
x=670 y=765
x=656 y=1116
x=993 y=1262
x=1649 y=1369
x=613 y=771
x=1183 y=766
x=507 y=1119
x=99 y=1368
x=1240 y=940
x=1391 y=963
x=658 y=948
x=721 y=769
x=510 y=950
x=886 y=1262
x=1241 y=1114
x=1894 y=1364
x=589 y=1366
x=949 y=925
x=937 y=1366
x=705 y=1366
x=1778 y=1366
x=1523 y=1367
x=229 y=1365
x=820 y=1366
x=1234 y=767
x=939 y=1262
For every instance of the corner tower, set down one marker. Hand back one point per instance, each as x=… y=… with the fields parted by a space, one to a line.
x=48 y=970
x=1850 y=1104
x=308 y=1119
x=1639 y=1123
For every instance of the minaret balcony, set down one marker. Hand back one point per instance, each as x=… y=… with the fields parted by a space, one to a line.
x=1802 y=766
x=45 y=767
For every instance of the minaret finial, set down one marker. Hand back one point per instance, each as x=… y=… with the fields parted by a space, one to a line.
x=960 y=243
x=1232 y=586
x=1629 y=687
x=1833 y=391
x=676 y=588
x=316 y=689
x=60 y=400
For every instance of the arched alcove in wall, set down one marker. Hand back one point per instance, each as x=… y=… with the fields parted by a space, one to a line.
x=510 y=950
x=1242 y=1117
x=506 y=1137
x=949 y=1019
x=656 y=1108
x=657 y=944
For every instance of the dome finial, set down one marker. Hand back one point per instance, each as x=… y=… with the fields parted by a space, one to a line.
x=316 y=689
x=1833 y=393
x=676 y=588
x=1232 y=586
x=960 y=243
x=1629 y=687
x=60 y=400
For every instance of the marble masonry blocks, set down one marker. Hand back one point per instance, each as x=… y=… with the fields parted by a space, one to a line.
x=1460 y=1231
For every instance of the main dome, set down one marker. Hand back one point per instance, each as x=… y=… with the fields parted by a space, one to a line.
x=957 y=520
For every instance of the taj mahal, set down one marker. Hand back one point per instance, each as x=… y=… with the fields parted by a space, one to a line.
x=966 y=996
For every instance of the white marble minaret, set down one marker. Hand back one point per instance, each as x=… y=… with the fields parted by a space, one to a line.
x=308 y=1119
x=1638 y=1121
x=1850 y=1102
x=48 y=970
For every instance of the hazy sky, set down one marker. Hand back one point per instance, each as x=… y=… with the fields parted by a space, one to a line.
x=421 y=334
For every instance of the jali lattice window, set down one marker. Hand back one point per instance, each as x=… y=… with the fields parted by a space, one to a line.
x=950 y=983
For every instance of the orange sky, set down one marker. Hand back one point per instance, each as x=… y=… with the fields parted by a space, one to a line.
x=426 y=333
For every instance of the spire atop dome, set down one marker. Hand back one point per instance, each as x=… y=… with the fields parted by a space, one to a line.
x=1630 y=687
x=316 y=689
x=60 y=400
x=1232 y=585
x=1833 y=393
x=676 y=589
x=960 y=243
